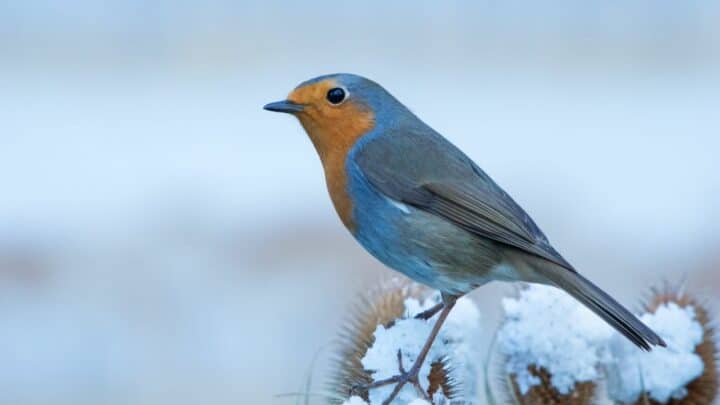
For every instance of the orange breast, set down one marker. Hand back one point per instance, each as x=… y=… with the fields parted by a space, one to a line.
x=333 y=146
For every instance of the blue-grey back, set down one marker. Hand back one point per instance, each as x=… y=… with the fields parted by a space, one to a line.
x=406 y=160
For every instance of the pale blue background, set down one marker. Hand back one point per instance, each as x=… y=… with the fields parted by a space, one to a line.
x=165 y=240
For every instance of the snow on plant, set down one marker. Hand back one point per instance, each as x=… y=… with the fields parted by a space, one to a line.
x=355 y=400
x=546 y=330
x=457 y=344
x=384 y=326
x=683 y=374
x=381 y=306
x=663 y=372
x=704 y=388
x=555 y=351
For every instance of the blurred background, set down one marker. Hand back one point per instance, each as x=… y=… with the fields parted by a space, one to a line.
x=165 y=240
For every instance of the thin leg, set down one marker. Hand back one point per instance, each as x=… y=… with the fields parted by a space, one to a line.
x=430 y=312
x=412 y=375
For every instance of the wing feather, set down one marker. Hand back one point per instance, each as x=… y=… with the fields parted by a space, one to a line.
x=431 y=174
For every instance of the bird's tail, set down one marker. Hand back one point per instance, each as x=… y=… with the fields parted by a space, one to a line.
x=604 y=306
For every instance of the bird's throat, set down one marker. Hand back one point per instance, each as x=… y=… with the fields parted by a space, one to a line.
x=333 y=144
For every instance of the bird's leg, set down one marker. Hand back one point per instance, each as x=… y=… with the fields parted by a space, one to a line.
x=411 y=376
x=430 y=312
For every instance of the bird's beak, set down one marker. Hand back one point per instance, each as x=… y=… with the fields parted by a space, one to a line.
x=285 y=106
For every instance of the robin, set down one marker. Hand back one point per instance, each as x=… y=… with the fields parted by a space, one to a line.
x=422 y=207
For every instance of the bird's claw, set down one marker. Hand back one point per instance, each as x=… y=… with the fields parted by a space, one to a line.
x=399 y=380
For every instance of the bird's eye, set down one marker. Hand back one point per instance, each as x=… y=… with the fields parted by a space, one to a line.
x=336 y=95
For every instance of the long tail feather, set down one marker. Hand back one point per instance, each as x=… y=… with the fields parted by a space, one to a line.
x=604 y=306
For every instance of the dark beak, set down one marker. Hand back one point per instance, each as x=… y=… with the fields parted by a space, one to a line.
x=284 y=106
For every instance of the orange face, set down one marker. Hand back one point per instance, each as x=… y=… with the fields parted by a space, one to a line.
x=333 y=128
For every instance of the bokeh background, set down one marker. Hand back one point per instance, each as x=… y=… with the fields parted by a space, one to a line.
x=165 y=240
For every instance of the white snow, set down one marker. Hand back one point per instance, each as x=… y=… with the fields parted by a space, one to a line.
x=458 y=341
x=355 y=401
x=360 y=401
x=663 y=373
x=546 y=327
x=543 y=327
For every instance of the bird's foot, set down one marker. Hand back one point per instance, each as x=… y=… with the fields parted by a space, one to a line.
x=429 y=313
x=405 y=377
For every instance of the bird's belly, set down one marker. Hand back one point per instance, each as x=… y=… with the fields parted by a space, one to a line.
x=424 y=247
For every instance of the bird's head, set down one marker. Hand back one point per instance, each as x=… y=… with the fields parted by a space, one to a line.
x=336 y=109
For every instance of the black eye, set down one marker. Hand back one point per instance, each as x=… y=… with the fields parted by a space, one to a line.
x=336 y=95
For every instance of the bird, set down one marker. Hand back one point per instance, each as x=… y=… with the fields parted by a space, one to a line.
x=422 y=207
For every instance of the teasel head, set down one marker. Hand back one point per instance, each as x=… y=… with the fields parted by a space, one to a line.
x=544 y=393
x=527 y=356
x=440 y=380
x=382 y=306
x=702 y=390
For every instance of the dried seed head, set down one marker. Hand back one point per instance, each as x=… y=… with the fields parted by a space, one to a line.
x=545 y=393
x=440 y=380
x=703 y=389
x=533 y=371
x=381 y=306
x=385 y=306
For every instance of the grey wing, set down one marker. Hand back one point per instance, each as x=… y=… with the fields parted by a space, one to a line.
x=429 y=173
